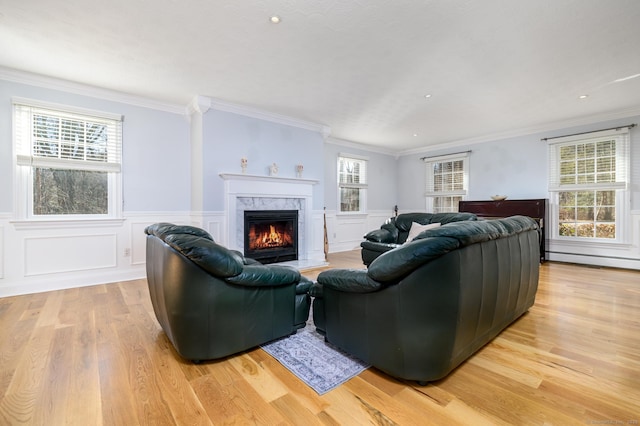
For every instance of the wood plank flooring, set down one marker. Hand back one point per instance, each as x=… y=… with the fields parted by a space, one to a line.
x=97 y=356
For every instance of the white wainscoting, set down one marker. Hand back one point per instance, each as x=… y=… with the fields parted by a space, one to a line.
x=1 y=252
x=69 y=253
x=346 y=231
x=54 y=256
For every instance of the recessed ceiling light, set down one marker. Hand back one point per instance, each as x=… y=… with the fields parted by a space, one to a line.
x=428 y=95
x=583 y=96
x=415 y=135
x=275 y=19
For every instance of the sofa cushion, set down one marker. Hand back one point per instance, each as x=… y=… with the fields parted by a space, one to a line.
x=471 y=232
x=395 y=264
x=349 y=280
x=452 y=217
x=164 y=229
x=404 y=221
x=265 y=276
x=211 y=257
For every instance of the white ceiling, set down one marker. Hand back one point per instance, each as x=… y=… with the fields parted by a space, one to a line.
x=361 y=67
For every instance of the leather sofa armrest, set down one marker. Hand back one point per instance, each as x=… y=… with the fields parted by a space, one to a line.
x=379 y=247
x=316 y=290
x=265 y=276
x=304 y=285
x=349 y=280
x=380 y=236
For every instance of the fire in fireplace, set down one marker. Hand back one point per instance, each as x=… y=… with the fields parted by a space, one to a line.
x=271 y=235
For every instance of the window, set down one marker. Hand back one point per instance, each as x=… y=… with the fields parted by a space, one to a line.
x=352 y=183
x=588 y=179
x=447 y=182
x=67 y=161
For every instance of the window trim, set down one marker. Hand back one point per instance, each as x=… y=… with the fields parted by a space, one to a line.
x=430 y=193
x=24 y=163
x=620 y=186
x=363 y=187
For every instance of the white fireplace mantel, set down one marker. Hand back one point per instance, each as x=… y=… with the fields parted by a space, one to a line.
x=254 y=186
x=258 y=178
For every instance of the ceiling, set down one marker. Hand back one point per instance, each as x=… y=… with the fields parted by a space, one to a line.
x=361 y=67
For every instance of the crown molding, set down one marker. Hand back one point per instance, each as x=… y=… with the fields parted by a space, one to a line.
x=53 y=83
x=199 y=104
x=361 y=146
x=269 y=116
x=527 y=131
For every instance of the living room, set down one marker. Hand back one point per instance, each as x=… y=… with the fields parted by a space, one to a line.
x=161 y=182
x=203 y=137
x=179 y=160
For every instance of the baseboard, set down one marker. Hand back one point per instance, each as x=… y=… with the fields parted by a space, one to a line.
x=86 y=280
x=612 y=262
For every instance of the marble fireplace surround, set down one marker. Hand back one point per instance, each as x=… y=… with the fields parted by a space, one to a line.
x=252 y=192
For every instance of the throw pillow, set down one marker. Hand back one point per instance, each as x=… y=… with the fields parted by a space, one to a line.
x=416 y=229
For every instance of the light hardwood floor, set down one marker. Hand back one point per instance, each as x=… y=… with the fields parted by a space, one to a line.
x=96 y=356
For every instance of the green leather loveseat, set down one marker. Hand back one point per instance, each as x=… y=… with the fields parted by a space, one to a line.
x=395 y=230
x=211 y=301
x=423 y=308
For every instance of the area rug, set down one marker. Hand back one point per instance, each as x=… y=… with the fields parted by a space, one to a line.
x=320 y=365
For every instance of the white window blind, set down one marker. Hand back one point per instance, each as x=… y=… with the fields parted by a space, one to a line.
x=588 y=180
x=352 y=172
x=59 y=139
x=598 y=160
x=446 y=175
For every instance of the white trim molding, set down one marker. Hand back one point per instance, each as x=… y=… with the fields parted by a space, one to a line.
x=240 y=187
x=53 y=83
x=269 y=116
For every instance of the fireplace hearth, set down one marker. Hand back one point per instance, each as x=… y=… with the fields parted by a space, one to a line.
x=271 y=236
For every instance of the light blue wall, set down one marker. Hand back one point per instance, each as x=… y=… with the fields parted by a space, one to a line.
x=227 y=137
x=516 y=167
x=381 y=173
x=156 y=159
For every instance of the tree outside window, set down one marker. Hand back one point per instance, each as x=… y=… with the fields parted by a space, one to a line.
x=588 y=177
x=68 y=161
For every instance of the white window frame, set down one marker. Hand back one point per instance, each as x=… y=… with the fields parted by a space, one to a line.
x=620 y=186
x=362 y=185
x=431 y=192
x=25 y=160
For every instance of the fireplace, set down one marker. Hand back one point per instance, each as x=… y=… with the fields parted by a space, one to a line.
x=271 y=235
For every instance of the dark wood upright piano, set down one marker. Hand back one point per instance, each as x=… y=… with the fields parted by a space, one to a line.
x=535 y=209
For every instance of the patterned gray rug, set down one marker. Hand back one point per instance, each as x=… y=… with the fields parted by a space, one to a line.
x=317 y=363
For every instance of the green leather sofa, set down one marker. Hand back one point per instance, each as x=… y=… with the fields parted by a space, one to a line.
x=395 y=230
x=423 y=308
x=211 y=301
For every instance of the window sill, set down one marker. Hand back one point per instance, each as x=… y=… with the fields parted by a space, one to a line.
x=65 y=224
x=592 y=243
